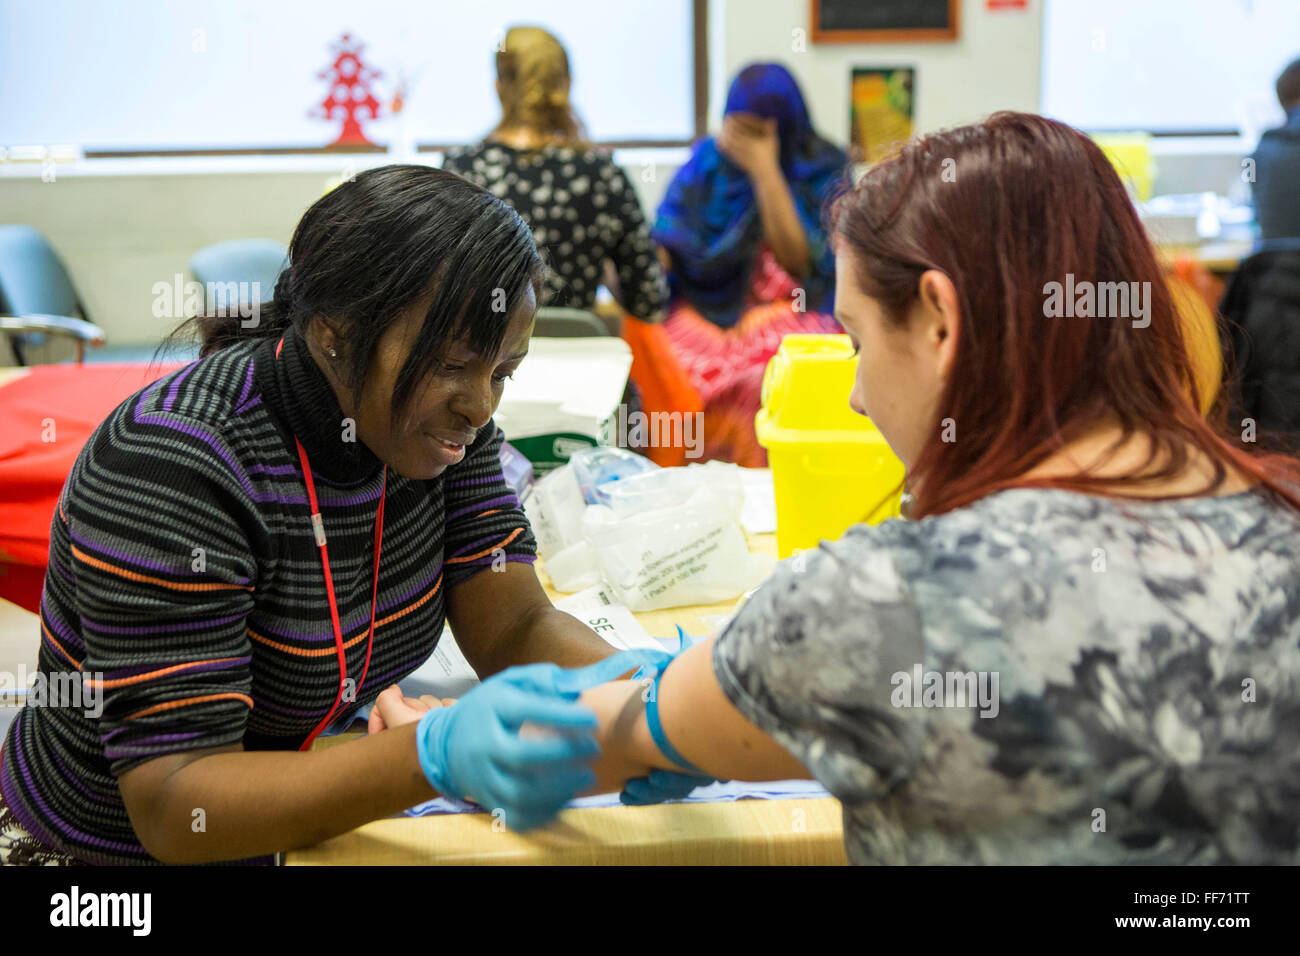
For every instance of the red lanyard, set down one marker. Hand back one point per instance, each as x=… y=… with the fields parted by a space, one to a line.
x=318 y=526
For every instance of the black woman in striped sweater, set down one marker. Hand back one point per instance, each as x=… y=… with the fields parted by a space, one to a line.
x=259 y=544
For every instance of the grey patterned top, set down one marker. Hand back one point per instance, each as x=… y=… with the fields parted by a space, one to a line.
x=1042 y=677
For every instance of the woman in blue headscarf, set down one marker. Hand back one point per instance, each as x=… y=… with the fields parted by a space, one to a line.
x=740 y=230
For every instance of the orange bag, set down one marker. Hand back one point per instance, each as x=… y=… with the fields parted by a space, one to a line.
x=1196 y=296
x=661 y=379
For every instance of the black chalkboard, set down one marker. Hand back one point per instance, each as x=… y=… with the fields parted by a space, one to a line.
x=883 y=21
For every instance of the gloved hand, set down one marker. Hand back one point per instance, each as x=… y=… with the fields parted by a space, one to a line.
x=474 y=748
x=660 y=785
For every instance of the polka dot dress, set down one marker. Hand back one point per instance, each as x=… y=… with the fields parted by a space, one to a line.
x=583 y=213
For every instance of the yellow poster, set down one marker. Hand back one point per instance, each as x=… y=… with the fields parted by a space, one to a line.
x=880 y=101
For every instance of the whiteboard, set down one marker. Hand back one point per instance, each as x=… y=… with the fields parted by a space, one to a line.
x=1166 y=65
x=225 y=74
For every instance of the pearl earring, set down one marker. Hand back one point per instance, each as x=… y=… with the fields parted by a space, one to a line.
x=333 y=354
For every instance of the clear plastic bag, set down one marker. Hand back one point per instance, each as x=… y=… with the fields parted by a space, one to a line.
x=666 y=487
x=691 y=553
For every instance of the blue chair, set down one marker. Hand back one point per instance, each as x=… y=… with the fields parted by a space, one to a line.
x=254 y=264
x=36 y=295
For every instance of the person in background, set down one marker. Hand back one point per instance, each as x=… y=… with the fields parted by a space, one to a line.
x=580 y=206
x=1277 y=166
x=1262 y=300
x=740 y=230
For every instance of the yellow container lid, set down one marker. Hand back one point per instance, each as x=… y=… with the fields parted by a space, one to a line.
x=806 y=393
x=1130 y=154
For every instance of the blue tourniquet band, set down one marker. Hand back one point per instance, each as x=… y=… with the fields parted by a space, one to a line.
x=657 y=730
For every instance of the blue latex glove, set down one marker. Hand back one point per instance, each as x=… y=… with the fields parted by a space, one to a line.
x=473 y=748
x=659 y=786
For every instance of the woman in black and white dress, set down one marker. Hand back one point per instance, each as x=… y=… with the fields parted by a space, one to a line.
x=583 y=211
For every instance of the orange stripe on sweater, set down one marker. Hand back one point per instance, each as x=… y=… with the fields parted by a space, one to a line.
x=185 y=702
x=147 y=579
x=330 y=651
x=407 y=610
x=486 y=551
x=161 y=672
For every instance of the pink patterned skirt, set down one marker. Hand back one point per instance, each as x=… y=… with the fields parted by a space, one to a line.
x=726 y=367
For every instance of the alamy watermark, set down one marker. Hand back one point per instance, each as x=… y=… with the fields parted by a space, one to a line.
x=184 y=300
x=637 y=429
x=128 y=910
x=74 y=689
x=1101 y=300
x=921 y=688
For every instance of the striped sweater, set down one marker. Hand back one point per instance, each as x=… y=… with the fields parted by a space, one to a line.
x=185 y=585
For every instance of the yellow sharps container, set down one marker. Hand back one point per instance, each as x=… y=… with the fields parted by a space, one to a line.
x=831 y=467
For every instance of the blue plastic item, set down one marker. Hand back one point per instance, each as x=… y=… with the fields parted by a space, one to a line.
x=595 y=468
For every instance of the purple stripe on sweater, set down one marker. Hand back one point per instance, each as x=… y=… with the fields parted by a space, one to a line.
x=473 y=481
x=510 y=498
x=253 y=403
x=11 y=794
x=206 y=437
x=63 y=573
x=257 y=468
x=140 y=746
x=418 y=588
x=457 y=571
x=122 y=556
x=176 y=385
x=477 y=543
x=36 y=830
x=325 y=500
x=56 y=562
x=80 y=786
x=87 y=624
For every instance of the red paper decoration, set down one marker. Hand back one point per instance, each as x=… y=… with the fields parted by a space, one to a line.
x=349 y=92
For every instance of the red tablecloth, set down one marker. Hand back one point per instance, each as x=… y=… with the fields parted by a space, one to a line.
x=64 y=403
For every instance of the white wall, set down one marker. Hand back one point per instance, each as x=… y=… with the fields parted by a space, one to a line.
x=120 y=234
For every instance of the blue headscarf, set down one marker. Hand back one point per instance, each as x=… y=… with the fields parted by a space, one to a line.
x=709 y=221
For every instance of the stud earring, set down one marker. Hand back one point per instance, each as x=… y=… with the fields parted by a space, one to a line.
x=333 y=354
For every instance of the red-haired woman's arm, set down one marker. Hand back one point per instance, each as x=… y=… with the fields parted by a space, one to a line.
x=698 y=720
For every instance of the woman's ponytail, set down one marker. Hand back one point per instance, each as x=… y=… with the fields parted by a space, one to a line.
x=533 y=71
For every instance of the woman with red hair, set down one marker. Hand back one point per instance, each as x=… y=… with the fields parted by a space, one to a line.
x=1084 y=647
